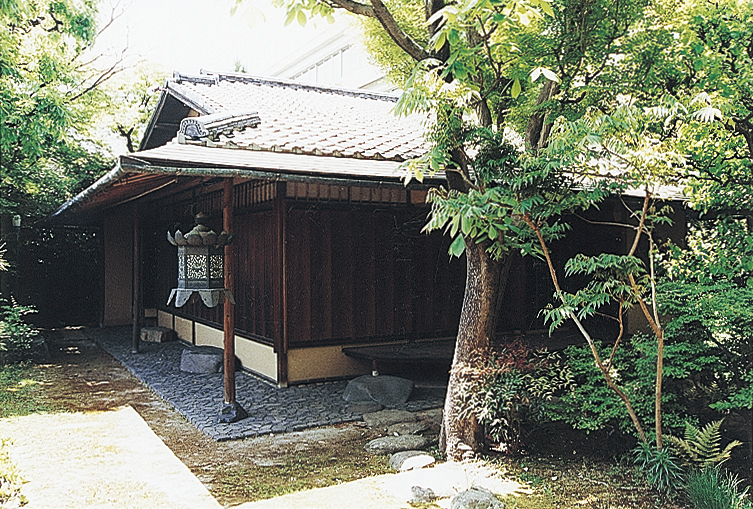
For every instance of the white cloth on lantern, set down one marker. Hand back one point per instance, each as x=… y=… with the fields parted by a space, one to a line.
x=210 y=298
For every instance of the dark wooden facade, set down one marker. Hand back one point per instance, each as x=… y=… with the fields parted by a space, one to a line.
x=314 y=266
x=319 y=265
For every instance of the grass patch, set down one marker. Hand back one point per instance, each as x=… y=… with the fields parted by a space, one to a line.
x=21 y=391
x=316 y=468
x=581 y=483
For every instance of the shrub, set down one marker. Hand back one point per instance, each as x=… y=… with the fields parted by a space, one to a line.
x=688 y=365
x=707 y=289
x=511 y=390
x=712 y=488
x=16 y=336
x=659 y=466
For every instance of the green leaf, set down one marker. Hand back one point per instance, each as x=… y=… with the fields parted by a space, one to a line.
x=290 y=17
x=302 y=18
x=466 y=225
x=457 y=247
x=546 y=7
x=515 y=92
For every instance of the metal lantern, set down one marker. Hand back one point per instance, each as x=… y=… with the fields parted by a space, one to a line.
x=200 y=264
x=200 y=267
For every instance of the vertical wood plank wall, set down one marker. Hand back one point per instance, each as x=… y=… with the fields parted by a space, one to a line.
x=354 y=272
x=357 y=271
x=368 y=273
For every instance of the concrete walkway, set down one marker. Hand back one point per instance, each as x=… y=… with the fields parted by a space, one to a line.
x=102 y=460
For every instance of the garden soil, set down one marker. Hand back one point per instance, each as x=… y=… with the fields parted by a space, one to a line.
x=118 y=441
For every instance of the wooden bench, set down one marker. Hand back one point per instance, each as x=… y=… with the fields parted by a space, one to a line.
x=433 y=351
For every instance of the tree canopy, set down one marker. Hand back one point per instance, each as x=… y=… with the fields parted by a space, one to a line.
x=49 y=95
x=540 y=108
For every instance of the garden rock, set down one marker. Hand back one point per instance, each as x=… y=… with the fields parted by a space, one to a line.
x=410 y=460
x=386 y=390
x=202 y=359
x=387 y=418
x=157 y=334
x=391 y=445
x=422 y=495
x=407 y=428
x=476 y=498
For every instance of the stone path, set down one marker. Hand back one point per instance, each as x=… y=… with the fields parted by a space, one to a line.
x=199 y=397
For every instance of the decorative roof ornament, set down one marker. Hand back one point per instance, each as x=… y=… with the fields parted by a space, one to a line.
x=211 y=126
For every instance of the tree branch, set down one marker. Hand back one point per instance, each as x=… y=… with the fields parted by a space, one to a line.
x=397 y=34
x=354 y=7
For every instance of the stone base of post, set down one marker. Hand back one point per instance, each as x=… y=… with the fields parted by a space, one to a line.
x=231 y=412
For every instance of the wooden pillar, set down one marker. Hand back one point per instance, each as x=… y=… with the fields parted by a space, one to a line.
x=229 y=308
x=136 y=301
x=281 y=295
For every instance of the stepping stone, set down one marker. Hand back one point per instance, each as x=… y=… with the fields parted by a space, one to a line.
x=389 y=391
x=202 y=359
x=421 y=495
x=410 y=460
x=391 y=445
x=476 y=498
x=364 y=407
x=157 y=334
x=407 y=428
x=387 y=418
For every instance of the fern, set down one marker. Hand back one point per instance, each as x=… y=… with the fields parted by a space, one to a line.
x=701 y=448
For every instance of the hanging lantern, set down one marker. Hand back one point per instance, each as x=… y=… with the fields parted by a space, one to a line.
x=200 y=264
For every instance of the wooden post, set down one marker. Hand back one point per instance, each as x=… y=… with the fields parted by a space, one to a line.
x=281 y=295
x=229 y=309
x=231 y=411
x=136 y=301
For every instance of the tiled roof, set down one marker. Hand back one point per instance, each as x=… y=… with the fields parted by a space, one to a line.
x=303 y=119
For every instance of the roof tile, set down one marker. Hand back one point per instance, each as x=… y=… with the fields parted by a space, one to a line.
x=306 y=119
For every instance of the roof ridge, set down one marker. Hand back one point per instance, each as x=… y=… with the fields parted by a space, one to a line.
x=213 y=78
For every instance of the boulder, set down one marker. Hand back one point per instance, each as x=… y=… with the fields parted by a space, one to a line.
x=389 y=391
x=410 y=460
x=476 y=498
x=157 y=334
x=422 y=495
x=201 y=359
x=391 y=445
x=407 y=428
x=387 y=418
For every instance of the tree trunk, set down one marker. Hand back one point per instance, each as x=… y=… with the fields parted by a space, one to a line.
x=477 y=323
x=538 y=128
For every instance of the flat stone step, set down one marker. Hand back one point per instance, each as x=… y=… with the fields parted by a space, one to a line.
x=391 y=445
